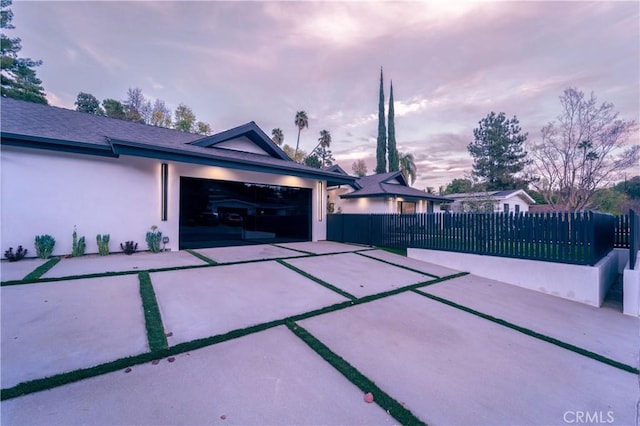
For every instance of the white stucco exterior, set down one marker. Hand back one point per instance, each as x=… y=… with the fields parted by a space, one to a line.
x=50 y=192
x=631 y=289
x=515 y=202
x=373 y=205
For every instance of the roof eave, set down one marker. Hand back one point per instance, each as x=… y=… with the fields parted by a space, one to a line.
x=137 y=149
x=52 y=144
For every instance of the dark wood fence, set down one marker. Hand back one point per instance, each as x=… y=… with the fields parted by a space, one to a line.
x=634 y=238
x=621 y=233
x=577 y=238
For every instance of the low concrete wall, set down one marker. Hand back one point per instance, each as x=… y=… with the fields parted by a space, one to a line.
x=584 y=284
x=631 y=291
x=623 y=258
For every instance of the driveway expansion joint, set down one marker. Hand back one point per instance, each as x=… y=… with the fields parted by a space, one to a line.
x=384 y=400
x=396 y=264
x=531 y=333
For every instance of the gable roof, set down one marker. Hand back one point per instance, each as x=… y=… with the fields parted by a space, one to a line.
x=40 y=126
x=383 y=185
x=335 y=169
x=252 y=132
x=497 y=195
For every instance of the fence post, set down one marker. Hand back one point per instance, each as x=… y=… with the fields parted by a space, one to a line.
x=634 y=235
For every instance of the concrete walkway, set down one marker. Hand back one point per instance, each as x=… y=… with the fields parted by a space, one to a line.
x=444 y=364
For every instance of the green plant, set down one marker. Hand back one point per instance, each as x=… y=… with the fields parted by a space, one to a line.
x=154 y=238
x=129 y=247
x=103 y=244
x=14 y=257
x=44 y=245
x=78 y=246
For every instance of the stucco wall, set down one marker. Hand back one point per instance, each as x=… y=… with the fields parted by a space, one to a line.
x=377 y=205
x=584 y=284
x=48 y=192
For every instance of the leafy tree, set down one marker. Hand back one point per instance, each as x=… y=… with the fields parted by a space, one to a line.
x=381 y=149
x=203 y=128
x=458 y=186
x=394 y=164
x=277 y=136
x=297 y=156
x=313 y=161
x=498 y=152
x=136 y=107
x=185 y=119
x=537 y=196
x=86 y=102
x=608 y=200
x=322 y=150
x=160 y=114
x=408 y=167
x=629 y=187
x=114 y=109
x=359 y=168
x=583 y=151
x=17 y=75
x=301 y=121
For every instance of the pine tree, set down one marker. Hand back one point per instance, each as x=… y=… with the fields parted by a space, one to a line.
x=17 y=76
x=394 y=163
x=381 y=150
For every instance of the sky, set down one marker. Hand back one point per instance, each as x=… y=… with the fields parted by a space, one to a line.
x=451 y=62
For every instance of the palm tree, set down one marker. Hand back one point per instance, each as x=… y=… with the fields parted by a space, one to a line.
x=301 y=121
x=408 y=167
x=278 y=136
x=324 y=141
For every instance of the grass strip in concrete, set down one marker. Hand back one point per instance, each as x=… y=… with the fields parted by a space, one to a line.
x=317 y=280
x=42 y=269
x=396 y=265
x=400 y=251
x=534 y=334
x=38 y=385
x=152 y=319
x=98 y=275
x=202 y=257
x=308 y=253
x=384 y=400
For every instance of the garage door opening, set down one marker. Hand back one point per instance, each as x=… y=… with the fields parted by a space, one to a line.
x=216 y=213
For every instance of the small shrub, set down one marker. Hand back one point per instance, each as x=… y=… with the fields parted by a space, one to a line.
x=103 y=244
x=78 y=246
x=154 y=238
x=14 y=257
x=129 y=247
x=44 y=245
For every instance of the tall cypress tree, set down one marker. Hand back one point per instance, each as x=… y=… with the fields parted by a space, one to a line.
x=394 y=163
x=381 y=150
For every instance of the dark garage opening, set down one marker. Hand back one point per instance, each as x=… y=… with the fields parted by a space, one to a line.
x=216 y=213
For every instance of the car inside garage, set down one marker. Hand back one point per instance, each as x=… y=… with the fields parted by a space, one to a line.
x=217 y=213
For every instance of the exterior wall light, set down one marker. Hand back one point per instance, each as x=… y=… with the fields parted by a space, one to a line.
x=164 y=190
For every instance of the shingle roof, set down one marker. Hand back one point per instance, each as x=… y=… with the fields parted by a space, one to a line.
x=25 y=122
x=378 y=186
x=500 y=195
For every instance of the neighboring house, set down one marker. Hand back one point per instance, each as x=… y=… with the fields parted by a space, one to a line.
x=63 y=169
x=510 y=201
x=381 y=193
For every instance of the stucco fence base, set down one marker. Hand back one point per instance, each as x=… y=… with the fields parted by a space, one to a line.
x=631 y=290
x=584 y=284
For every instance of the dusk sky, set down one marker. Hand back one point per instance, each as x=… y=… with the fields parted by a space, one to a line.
x=451 y=62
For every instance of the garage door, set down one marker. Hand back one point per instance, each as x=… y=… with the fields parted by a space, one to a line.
x=215 y=213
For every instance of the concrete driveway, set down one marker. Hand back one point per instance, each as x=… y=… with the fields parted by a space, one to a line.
x=297 y=334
